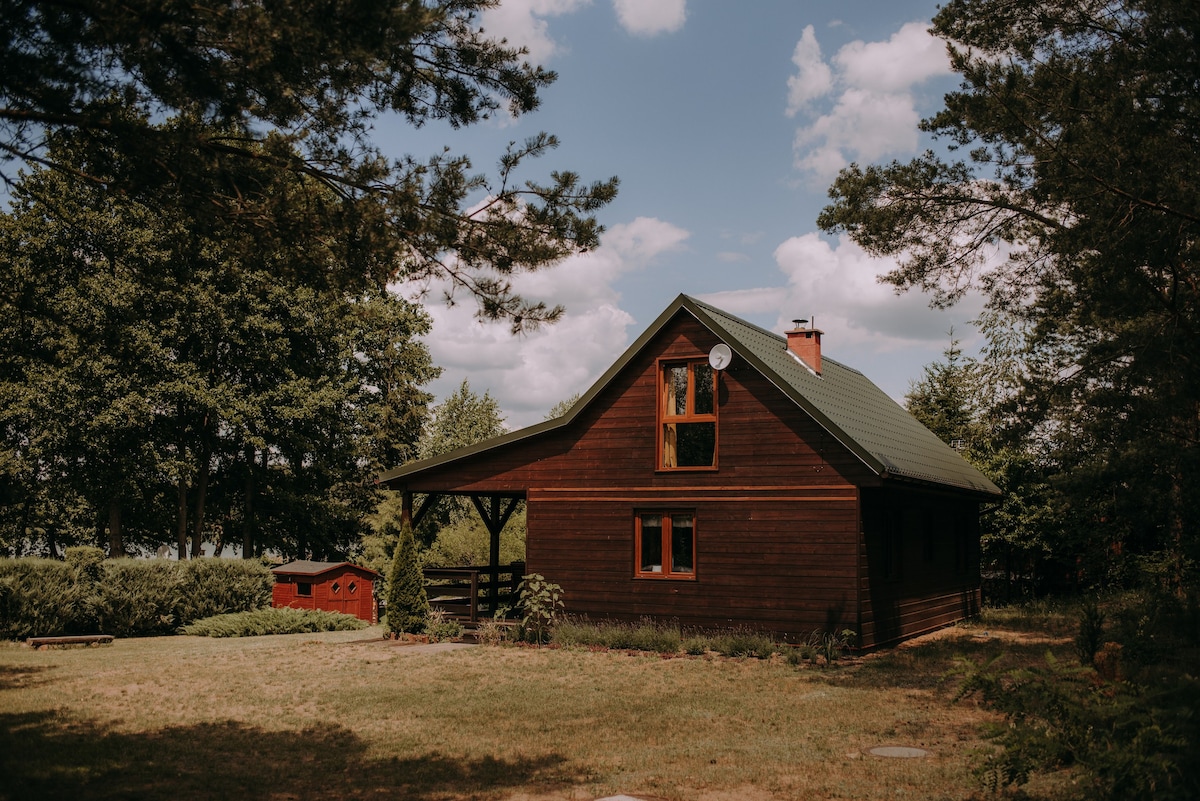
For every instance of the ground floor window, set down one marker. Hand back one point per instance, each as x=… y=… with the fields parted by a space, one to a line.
x=665 y=544
x=303 y=588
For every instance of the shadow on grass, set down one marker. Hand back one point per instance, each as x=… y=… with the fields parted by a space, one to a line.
x=19 y=678
x=938 y=663
x=43 y=755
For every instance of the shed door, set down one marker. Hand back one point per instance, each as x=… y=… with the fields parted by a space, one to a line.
x=346 y=593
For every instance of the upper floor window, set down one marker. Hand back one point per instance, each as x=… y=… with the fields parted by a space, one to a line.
x=687 y=415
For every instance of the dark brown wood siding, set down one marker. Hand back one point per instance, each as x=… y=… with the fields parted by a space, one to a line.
x=921 y=563
x=763 y=439
x=784 y=563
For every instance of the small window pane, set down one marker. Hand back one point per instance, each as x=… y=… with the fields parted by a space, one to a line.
x=336 y=587
x=303 y=588
x=651 y=557
x=695 y=444
x=351 y=588
x=676 y=378
x=682 y=539
x=703 y=377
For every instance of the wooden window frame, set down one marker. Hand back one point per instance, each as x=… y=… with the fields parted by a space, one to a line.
x=666 y=574
x=304 y=589
x=690 y=416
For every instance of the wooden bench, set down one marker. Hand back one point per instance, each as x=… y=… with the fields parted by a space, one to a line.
x=72 y=639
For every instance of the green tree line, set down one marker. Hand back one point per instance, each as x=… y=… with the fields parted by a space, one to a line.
x=1065 y=192
x=198 y=339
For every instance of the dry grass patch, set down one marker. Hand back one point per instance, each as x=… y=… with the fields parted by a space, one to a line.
x=348 y=715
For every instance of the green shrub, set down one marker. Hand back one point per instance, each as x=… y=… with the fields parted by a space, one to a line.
x=272 y=621
x=441 y=627
x=744 y=642
x=86 y=594
x=829 y=644
x=137 y=597
x=209 y=587
x=540 y=604
x=41 y=596
x=1125 y=740
x=491 y=632
x=407 y=603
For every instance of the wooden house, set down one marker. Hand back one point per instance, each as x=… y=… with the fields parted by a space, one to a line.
x=720 y=475
x=331 y=586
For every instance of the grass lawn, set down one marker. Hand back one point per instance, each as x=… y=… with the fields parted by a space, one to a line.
x=349 y=715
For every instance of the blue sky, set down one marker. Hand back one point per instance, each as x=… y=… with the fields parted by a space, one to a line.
x=726 y=123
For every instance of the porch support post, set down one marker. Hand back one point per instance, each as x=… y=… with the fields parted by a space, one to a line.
x=406 y=508
x=495 y=515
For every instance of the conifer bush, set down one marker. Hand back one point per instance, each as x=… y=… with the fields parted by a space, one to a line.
x=88 y=594
x=261 y=622
x=407 y=603
x=137 y=597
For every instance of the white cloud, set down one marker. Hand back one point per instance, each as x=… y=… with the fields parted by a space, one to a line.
x=910 y=57
x=838 y=287
x=528 y=375
x=523 y=23
x=650 y=17
x=870 y=125
x=875 y=114
x=814 y=78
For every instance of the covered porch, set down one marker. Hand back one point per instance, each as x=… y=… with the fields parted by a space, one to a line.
x=472 y=591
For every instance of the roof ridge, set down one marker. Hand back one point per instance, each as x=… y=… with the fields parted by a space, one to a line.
x=708 y=307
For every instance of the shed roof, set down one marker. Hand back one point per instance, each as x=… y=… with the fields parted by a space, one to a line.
x=305 y=567
x=881 y=433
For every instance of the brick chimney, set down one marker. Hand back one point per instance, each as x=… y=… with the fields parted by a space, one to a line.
x=806 y=343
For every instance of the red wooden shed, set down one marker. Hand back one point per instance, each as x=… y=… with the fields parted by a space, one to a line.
x=332 y=586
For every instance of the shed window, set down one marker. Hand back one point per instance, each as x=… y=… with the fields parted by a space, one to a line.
x=352 y=588
x=303 y=588
x=687 y=416
x=665 y=543
x=336 y=587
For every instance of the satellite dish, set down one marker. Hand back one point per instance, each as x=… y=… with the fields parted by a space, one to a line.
x=720 y=356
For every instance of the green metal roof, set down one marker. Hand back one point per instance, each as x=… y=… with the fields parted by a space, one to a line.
x=845 y=403
x=859 y=415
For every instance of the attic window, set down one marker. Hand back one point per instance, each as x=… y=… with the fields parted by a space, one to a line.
x=687 y=413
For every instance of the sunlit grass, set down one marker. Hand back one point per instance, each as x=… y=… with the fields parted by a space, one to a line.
x=345 y=714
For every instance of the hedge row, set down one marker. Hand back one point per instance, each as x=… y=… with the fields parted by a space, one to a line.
x=87 y=594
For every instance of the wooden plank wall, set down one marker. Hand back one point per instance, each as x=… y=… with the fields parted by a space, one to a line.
x=936 y=585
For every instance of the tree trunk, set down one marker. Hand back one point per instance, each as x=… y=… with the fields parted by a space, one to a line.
x=116 y=548
x=181 y=526
x=201 y=492
x=248 y=506
x=198 y=519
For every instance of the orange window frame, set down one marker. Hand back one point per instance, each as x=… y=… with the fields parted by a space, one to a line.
x=666 y=454
x=666 y=534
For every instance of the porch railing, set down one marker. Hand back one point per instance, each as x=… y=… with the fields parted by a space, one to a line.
x=466 y=592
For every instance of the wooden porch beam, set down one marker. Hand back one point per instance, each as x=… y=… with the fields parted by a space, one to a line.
x=426 y=504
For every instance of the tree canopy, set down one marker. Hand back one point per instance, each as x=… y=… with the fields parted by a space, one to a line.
x=157 y=370
x=1074 y=209
x=294 y=87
